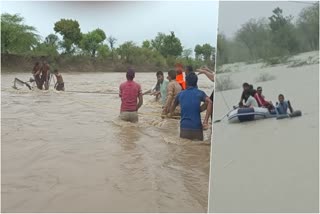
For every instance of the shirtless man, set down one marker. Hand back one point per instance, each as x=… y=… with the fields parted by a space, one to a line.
x=36 y=74
x=59 y=86
x=45 y=74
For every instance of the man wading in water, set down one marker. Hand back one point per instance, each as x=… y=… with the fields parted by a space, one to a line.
x=190 y=101
x=180 y=75
x=173 y=89
x=59 y=86
x=130 y=93
x=155 y=90
x=45 y=74
x=36 y=74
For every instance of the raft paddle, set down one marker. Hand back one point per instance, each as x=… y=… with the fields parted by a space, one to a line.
x=217 y=121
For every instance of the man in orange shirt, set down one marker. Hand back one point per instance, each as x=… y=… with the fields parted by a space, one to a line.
x=180 y=77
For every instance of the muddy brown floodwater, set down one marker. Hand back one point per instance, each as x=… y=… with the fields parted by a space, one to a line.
x=269 y=165
x=68 y=152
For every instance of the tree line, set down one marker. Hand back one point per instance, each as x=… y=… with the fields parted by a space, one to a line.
x=271 y=39
x=163 y=50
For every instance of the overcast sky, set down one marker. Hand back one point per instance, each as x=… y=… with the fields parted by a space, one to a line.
x=233 y=14
x=193 y=22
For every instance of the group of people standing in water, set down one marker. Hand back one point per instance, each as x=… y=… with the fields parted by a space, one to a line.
x=179 y=94
x=42 y=76
x=251 y=97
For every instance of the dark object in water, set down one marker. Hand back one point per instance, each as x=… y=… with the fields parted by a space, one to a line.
x=20 y=82
x=296 y=113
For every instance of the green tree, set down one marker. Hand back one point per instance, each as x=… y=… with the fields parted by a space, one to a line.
x=126 y=51
x=16 y=37
x=103 y=51
x=49 y=47
x=186 y=53
x=91 y=41
x=171 y=46
x=207 y=51
x=112 y=41
x=52 y=40
x=70 y=30
x=157 y=42
x=44 y=49
x=255 y=35
x=146 y=44
x=283 y=35
x=308 y=27
x=198 y=51
x=222 y=50
x=167 y=45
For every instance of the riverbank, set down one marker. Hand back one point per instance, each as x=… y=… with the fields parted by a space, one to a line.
x=11 y=63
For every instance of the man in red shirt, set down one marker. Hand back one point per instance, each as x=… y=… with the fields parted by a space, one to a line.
x=261 y=101
x=130 y=92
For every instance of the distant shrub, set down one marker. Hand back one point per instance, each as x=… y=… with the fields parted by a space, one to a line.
x=302 y=62
x=223 y=70
x=276 y=60
x=263 y=77
x=120 y=68
x=224 y=83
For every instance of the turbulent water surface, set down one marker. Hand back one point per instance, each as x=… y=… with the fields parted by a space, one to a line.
x=68 y=152
x=268 y=165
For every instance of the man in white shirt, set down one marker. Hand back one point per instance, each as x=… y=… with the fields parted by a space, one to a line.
x=251 y=101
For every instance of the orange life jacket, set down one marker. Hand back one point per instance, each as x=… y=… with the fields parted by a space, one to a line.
x=180 y=80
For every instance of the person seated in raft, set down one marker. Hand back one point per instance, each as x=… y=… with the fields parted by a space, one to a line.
x=155 y=90
x=130 y=93
x=59 y=86
x=173 y=89
x=283 y=105
x=189 y=101
x=251 y=102
x=246 y=87
x=254 y=91
x=261 y=100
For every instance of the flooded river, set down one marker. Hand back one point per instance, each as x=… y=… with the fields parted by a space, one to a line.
x=68 y=152
x=268 y=165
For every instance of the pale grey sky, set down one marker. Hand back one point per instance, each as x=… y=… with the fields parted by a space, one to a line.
x=193 y=22
x=232 y=14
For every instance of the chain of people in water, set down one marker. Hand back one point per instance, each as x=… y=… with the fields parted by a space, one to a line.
x=178 y=93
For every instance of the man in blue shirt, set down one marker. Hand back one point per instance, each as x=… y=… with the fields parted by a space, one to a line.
x=190 y=102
